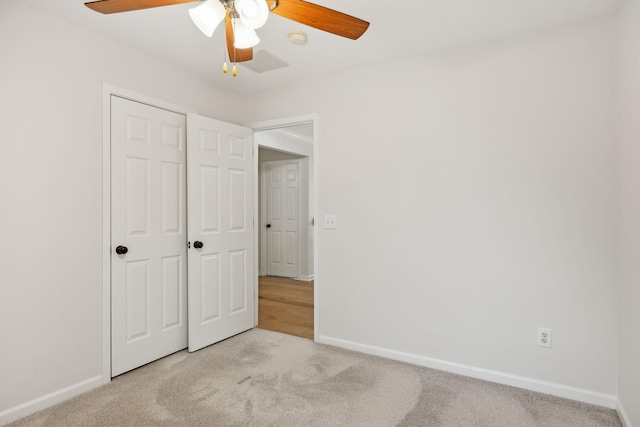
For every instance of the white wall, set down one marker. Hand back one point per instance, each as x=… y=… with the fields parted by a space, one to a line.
x=51 y=77
x=475 y=195
x=629 y=210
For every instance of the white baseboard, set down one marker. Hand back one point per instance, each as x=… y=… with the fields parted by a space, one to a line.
x=624 y=418
x=301 y=278
x=573 y=393
x=42 y=402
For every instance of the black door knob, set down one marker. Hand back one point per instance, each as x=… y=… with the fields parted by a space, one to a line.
x=268 y=225
x=198 y=244
x=121 y=250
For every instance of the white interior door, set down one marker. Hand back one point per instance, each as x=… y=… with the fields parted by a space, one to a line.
x=220 y=187
x=282 y=218
x=148 y=218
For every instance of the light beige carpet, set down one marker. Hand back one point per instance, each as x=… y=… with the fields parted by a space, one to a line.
x=263 y=378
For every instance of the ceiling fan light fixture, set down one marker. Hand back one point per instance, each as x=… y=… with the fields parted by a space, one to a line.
x=244 y=37
x=253 y=13
x=207 y=16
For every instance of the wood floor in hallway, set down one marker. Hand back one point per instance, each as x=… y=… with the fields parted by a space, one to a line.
x=286 y=306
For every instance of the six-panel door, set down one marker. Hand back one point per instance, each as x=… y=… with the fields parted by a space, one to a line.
x=282 y=217
x=148 y=218
x=220 y=187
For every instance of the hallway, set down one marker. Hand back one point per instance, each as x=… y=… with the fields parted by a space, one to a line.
x=286 y=305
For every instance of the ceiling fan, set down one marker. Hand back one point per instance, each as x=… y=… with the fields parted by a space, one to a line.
x=242 y=17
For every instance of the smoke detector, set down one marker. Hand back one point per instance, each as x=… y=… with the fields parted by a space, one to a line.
x=298 y=37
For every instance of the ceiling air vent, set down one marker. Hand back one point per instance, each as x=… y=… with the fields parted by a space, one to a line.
x=264 y=61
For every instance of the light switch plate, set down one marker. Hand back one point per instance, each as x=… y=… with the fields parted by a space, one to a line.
x=330 y=222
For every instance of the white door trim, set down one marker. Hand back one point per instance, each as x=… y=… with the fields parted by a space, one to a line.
x=107 y=91
x=300 y=149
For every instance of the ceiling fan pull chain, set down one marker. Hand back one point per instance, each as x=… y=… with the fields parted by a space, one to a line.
x=225 y=68
x=234 y=70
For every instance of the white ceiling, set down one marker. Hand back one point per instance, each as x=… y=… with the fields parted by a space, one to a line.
x=398 y=29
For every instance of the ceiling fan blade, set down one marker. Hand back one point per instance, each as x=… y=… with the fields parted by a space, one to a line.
x=116 y=6
x=322 y=18
x=235 y=55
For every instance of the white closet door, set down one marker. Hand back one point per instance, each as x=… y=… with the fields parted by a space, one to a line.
x=220 y=266
x=148 y=218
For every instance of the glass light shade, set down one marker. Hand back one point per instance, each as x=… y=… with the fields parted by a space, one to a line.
x=253 y=13
x=207 y=16
x=243 y=37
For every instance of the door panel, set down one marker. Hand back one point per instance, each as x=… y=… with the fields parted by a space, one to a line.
x=238 y=200
x=148 y=214
x=238 y=280
x=172 y=284
x=137 y=287
x=220 y=205
x=137 y=193
x=172 y=198
x=282 y=215
x=210 y=199
x=210 y=287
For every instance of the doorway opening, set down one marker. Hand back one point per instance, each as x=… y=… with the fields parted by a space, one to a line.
x=285 y=229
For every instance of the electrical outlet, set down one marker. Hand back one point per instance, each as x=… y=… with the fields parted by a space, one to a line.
x=330 y=222
x=544 y=337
